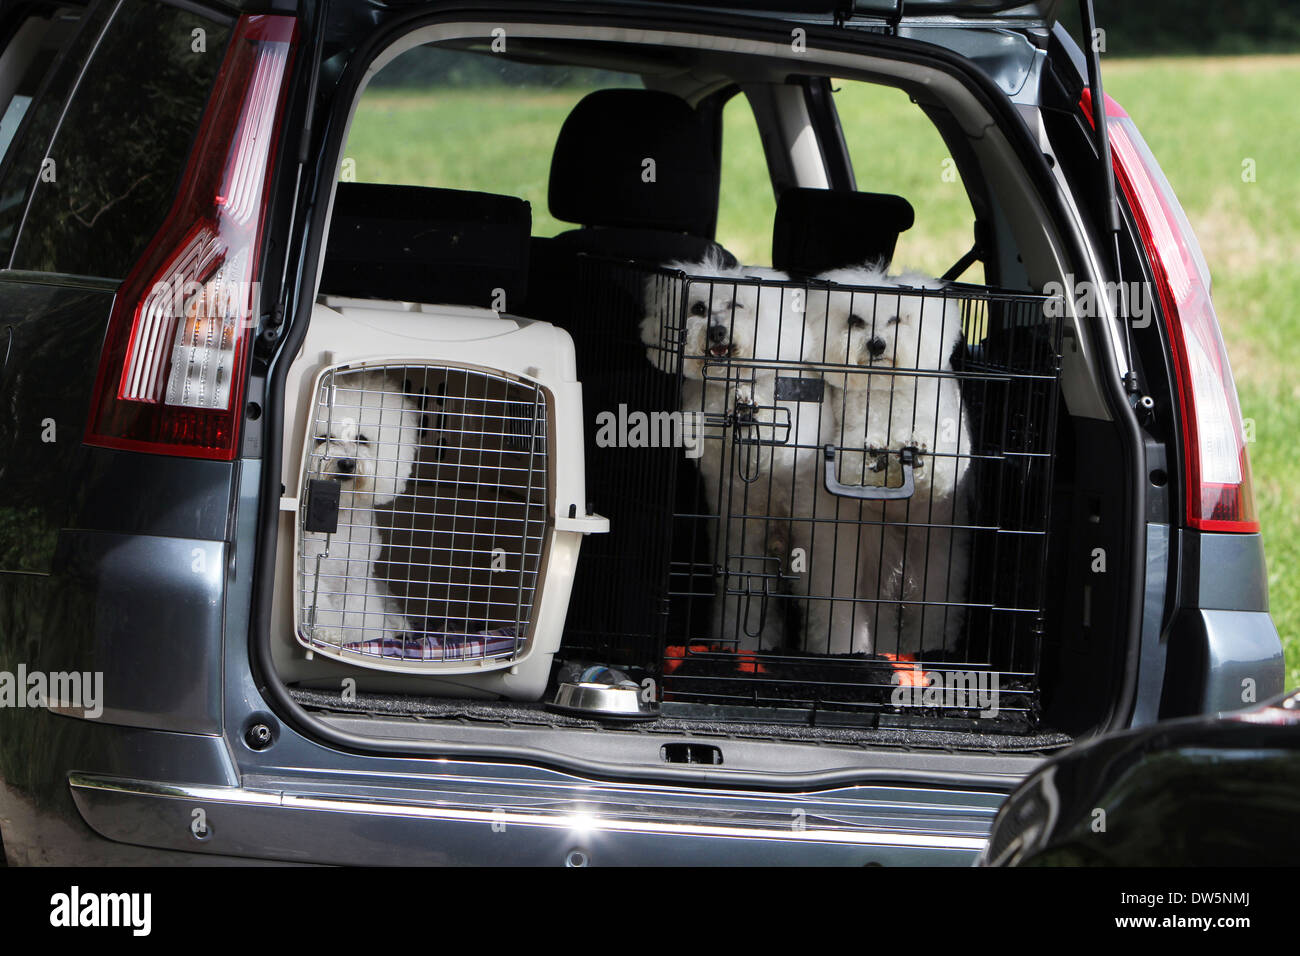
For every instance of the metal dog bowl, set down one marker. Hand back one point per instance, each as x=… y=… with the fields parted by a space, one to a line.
x=611 y=701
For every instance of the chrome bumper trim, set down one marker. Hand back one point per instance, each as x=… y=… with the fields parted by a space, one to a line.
x=159 y=814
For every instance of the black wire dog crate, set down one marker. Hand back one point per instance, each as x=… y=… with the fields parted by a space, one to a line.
x=828 y=498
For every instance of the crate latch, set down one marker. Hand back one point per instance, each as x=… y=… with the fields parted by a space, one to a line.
x=910 y=457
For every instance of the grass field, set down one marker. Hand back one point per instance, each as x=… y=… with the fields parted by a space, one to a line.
x=1211 y=122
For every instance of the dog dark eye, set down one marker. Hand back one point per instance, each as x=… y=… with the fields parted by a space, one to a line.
x=893 y=320
x=857 y=322
x=363 y=439
x=699 y=308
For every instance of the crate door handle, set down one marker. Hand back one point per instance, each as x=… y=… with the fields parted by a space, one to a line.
x=908 y=456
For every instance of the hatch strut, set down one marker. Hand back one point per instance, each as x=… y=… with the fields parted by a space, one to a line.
x=1113 y=220
x=897 y=18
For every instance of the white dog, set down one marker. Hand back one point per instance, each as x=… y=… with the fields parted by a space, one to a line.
x=367 y=439
x=899 y=551
x=729 y=336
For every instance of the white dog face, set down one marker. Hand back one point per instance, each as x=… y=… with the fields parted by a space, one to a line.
x=724 y=320
x=885 y=329
x=369 y=440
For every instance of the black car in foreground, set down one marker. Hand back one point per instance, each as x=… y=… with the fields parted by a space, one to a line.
x=1205 y=791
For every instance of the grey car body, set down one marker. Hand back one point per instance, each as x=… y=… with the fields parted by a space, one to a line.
x=149 y=570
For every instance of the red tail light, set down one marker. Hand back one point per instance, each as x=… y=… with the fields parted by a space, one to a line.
x=1217 y=465
x=171 y=377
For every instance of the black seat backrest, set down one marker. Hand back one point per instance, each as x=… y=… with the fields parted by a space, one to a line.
x=420 y=244
x=820 y=229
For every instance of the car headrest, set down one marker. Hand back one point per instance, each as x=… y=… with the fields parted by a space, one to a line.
x=820 y=229
x=600 y=175
x=420 y=244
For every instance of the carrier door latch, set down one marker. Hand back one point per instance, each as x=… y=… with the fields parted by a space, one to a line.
x=910 y=457
x=752 y=580
x=321 y=513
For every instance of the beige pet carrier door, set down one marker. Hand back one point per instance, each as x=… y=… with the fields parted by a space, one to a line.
x=422 y=523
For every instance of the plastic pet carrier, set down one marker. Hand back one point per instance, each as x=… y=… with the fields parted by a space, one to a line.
x=433 y=440
x=829 y=499
x=425 y=527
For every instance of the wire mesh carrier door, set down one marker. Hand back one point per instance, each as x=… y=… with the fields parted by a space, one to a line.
x=856 y=521
x=422 y=518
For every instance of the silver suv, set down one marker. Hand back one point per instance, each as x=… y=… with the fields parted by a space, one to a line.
x=463 y=515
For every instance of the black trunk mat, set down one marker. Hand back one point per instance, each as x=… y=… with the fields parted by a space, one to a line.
x=516 y=714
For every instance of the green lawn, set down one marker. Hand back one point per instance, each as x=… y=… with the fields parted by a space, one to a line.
x=1203 y=118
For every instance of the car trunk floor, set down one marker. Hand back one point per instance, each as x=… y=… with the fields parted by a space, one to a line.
x=683 y=720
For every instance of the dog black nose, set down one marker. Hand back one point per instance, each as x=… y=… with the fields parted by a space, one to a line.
x=718 y=334
x=876 y=346
x=346 y=465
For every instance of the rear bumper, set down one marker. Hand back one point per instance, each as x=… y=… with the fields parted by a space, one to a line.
x=603 y=826
x=96 y=794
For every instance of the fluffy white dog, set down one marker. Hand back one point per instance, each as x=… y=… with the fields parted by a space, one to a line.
x=732 y=334
x=891 y=396
x=367 y=440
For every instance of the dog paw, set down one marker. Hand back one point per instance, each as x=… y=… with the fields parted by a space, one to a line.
x=326 y=635
x=398 y=626
x=744 y=414
x=778 y=541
